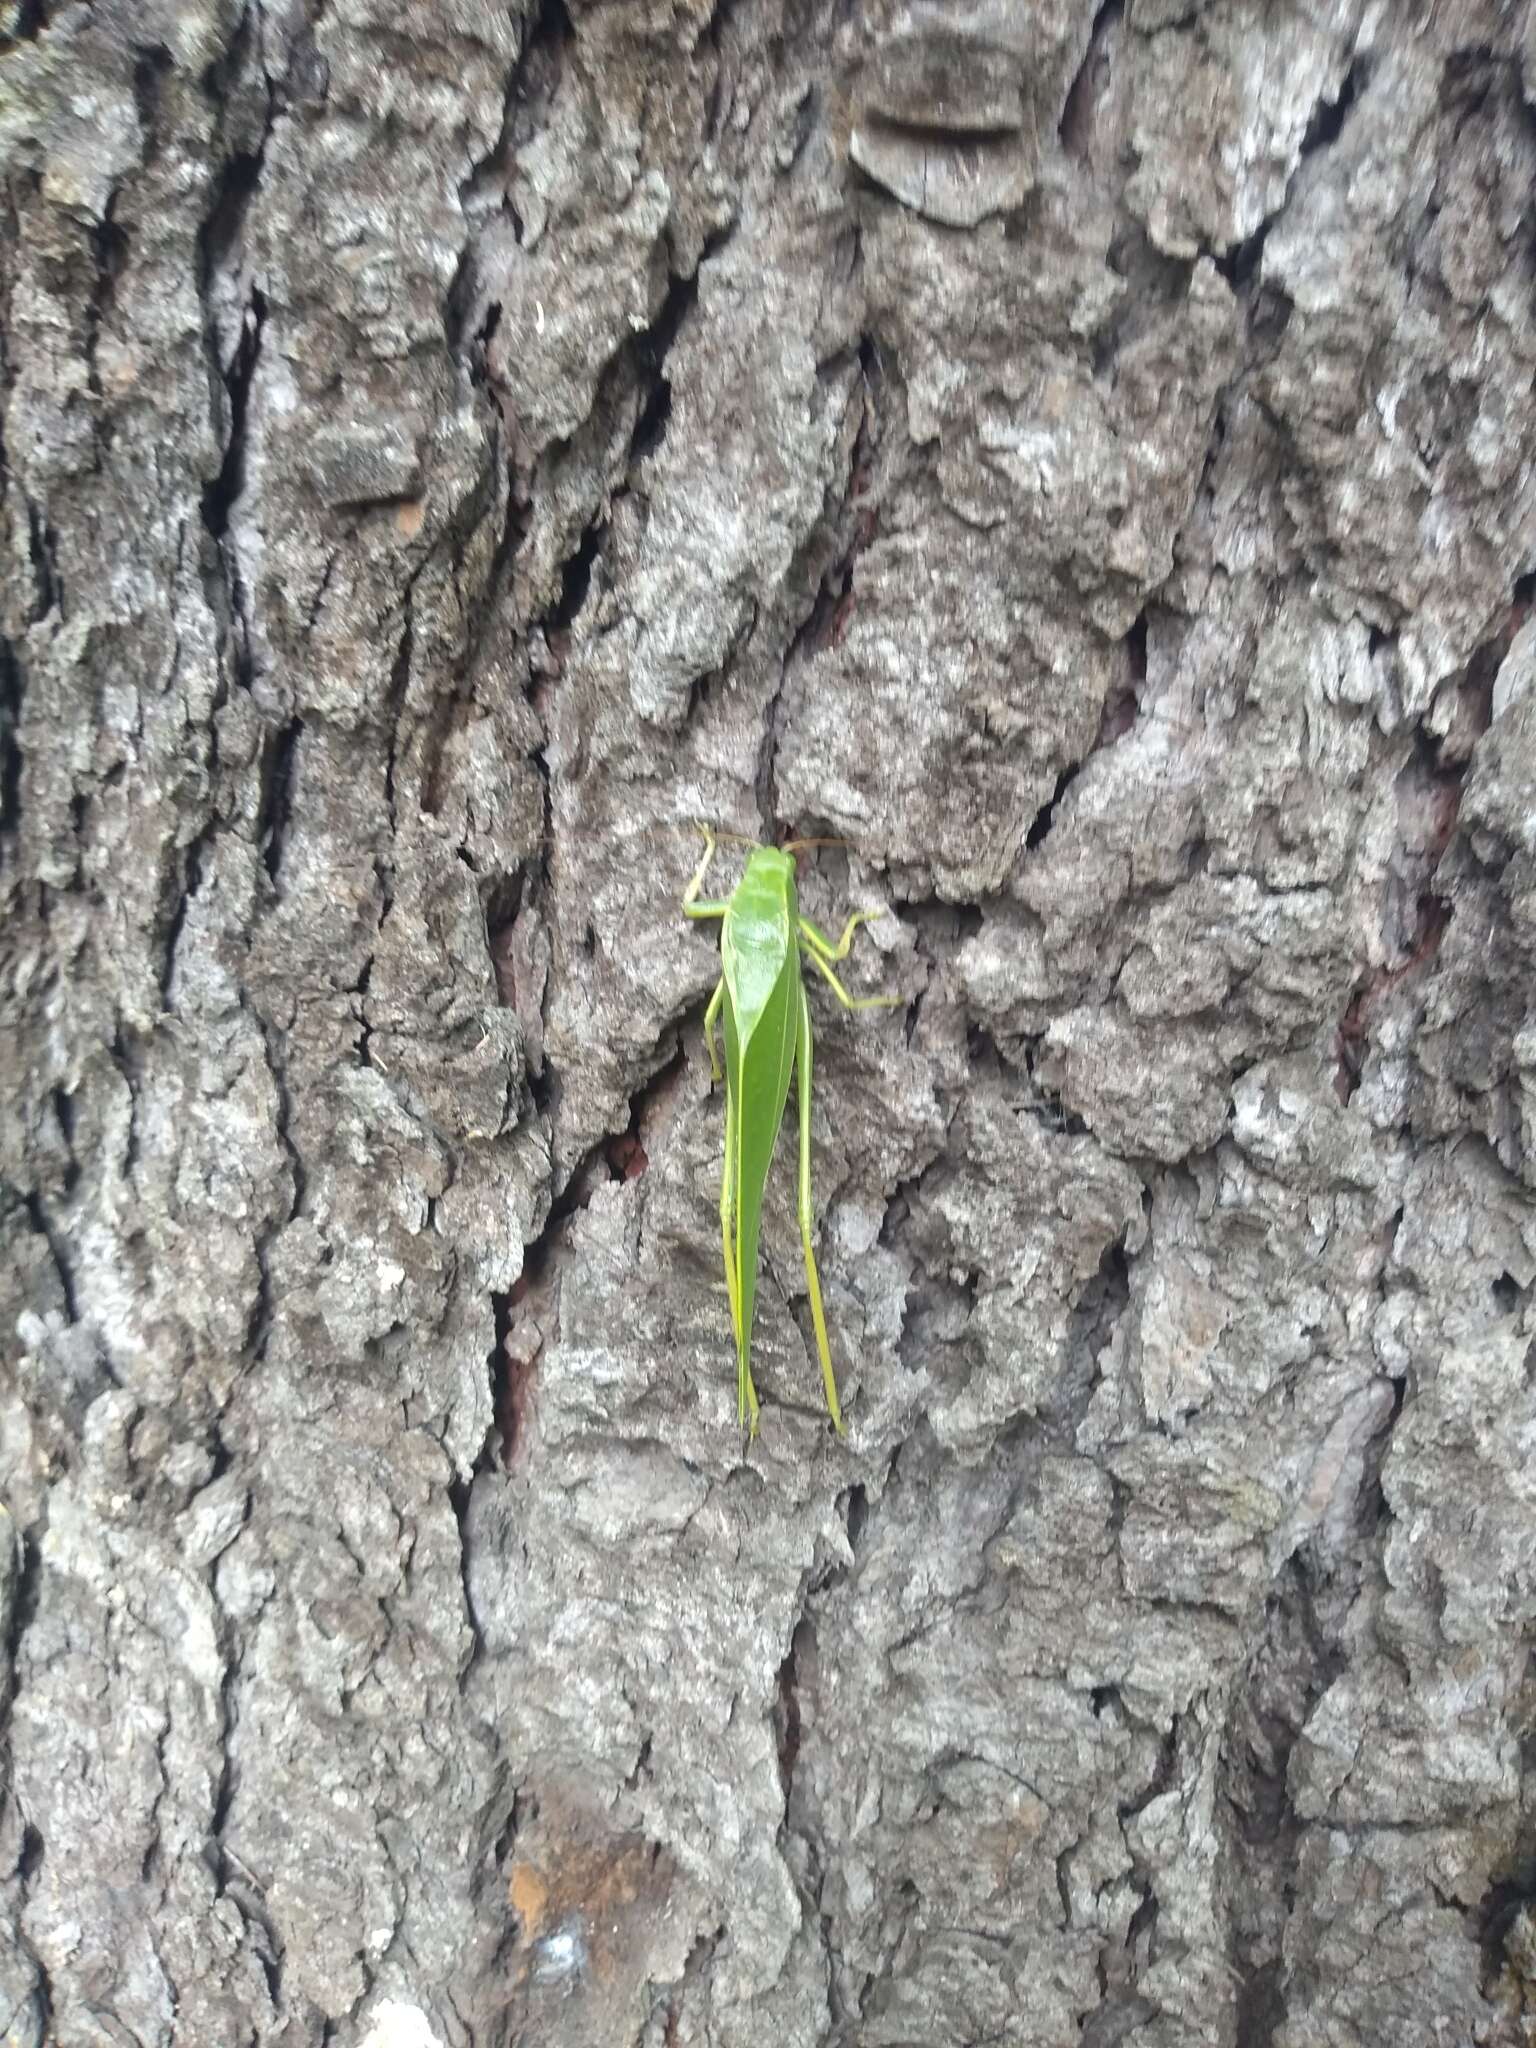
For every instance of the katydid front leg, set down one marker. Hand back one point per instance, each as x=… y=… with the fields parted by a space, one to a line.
x=848 y=1002
x=691 y=905
x=816 y=937
x=820 y=951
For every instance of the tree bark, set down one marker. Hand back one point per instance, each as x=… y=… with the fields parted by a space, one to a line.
x=1082 y=461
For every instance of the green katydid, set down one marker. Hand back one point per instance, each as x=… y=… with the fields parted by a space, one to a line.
x=767 y=1036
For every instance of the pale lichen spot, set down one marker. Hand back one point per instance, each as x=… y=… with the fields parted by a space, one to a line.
x=561 y=1954
x=394 y=2024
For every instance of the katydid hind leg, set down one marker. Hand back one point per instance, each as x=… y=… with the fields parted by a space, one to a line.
x=812 y=1277
x=730 y=1243
x=710 y=1016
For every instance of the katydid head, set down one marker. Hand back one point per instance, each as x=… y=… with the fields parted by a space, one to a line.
x=771 y=864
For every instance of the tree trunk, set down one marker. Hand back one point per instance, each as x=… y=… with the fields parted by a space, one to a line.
x=1084 y=463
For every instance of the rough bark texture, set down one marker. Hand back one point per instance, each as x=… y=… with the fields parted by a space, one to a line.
x=1085 y=460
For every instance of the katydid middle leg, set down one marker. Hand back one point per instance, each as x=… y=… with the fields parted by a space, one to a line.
x=813 y=1278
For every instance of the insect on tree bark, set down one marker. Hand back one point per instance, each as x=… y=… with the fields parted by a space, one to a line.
x=761 y=997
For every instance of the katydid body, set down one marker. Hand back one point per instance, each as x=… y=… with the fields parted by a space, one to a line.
x=767 y=1021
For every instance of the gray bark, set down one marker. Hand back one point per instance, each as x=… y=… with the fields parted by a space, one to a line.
x=1084 y=461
